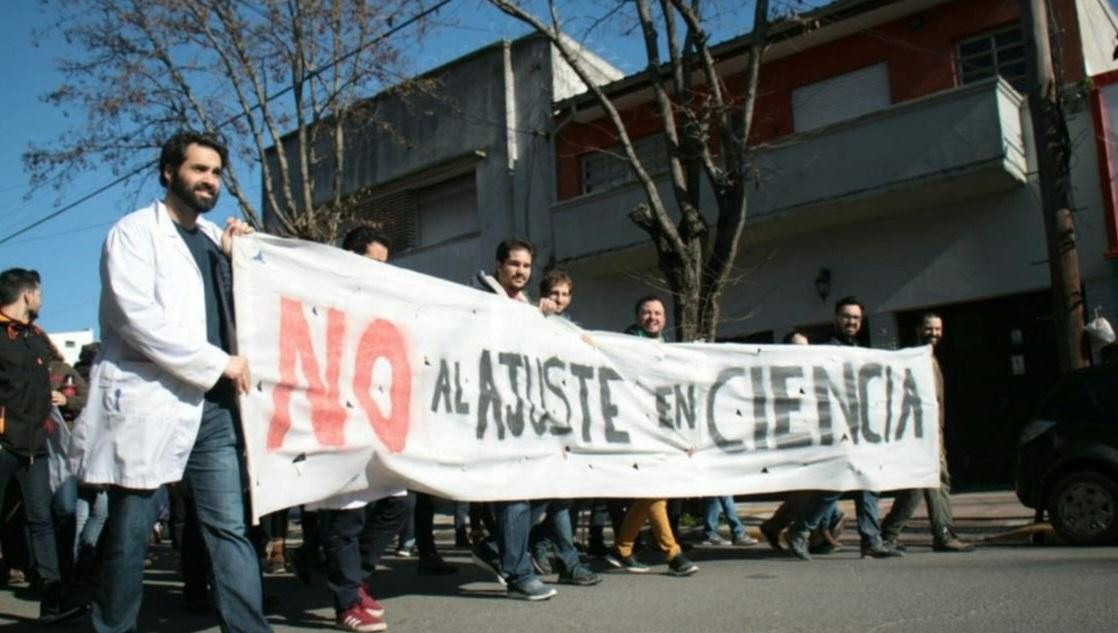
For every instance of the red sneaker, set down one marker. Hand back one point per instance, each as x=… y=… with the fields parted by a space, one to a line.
x=355 y=618
x=369 y=603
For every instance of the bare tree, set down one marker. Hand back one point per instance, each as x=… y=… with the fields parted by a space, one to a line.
x=706 y=129
x=266 y=74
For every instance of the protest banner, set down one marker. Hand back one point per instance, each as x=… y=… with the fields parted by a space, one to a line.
x=367 y=376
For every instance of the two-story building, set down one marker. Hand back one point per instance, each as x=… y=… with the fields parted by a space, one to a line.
x=893 y=162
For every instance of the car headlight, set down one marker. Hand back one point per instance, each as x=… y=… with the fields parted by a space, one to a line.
x=1035 y=429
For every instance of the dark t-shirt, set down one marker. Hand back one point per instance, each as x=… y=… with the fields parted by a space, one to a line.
x=207 y=255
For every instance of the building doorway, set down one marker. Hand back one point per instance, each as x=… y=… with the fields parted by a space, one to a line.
x=999 y=359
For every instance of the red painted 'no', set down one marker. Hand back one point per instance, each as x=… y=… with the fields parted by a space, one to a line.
x=381 y=339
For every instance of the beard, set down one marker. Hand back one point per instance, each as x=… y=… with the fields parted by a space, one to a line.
x=190 y=196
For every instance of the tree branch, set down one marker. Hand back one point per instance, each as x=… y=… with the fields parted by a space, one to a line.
x=664 y=225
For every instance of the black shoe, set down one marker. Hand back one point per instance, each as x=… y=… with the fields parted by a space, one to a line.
x=53 y=609
x=597 y=549
x=628 y=563
x=61 y=615
x=581 y=576
x=434 y=565
x=880 y=550
x=681 y=566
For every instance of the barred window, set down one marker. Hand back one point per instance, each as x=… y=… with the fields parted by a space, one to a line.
x=395 y=215
x=998 y=53
x=426 y=215
x=605 y=170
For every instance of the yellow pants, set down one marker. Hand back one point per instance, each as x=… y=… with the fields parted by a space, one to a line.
x=656 y=512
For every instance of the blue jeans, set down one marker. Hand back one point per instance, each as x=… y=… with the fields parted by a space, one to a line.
x=722 y=505
x=80 y=512
x=65 y=498
x=90 y=513
x=557 y=528
x=820 y=507
x=514 y=524
x=34 y=480
x=63 y=506
x=213 y=472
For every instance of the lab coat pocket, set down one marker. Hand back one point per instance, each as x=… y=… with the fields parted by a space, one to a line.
x=141 y=389
x=140 y=443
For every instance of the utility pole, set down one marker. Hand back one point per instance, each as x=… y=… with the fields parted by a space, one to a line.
x=1052 y=151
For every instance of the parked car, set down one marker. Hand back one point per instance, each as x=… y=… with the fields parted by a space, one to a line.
x=1068 y=457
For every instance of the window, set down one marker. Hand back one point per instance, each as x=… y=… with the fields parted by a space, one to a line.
x=606 y=170
x=395 y=215
x=839 y=98
x=447 y=210
x=999 y=53
x=428 y=214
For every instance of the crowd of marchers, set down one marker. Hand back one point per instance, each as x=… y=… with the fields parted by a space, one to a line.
x=158 y=442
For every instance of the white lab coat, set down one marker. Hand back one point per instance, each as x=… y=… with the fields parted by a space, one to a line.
x=147 y=384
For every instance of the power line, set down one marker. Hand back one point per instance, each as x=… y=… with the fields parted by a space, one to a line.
x=311 y=75
x=67 y=207
x=50 y=236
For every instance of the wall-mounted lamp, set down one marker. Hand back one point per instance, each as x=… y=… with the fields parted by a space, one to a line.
x=823 y=284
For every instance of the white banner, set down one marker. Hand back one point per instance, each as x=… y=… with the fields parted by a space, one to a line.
x=367 y=375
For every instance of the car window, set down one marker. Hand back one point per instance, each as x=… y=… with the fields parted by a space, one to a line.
x=1103 y=390
x=1070 y=401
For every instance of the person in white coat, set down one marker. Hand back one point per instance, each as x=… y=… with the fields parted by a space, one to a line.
x=162 y=405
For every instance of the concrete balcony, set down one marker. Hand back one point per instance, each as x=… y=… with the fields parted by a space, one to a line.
x=950 y=146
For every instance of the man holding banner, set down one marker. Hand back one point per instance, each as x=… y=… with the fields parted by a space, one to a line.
x=848 y=325
x=165 y=385
x=938 y=500
x=651 y=318
x=506 y=553
x=356 y=529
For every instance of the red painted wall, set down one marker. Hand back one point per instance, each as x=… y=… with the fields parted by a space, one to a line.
x=920 y=58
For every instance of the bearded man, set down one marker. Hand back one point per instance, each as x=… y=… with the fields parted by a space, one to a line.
x=166 y=381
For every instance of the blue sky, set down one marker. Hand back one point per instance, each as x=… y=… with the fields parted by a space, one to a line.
x=66 y=250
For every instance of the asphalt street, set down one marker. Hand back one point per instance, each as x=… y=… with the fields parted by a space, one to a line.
x=996 y=588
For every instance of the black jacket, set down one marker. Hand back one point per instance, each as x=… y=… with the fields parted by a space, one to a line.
x=24 y=388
